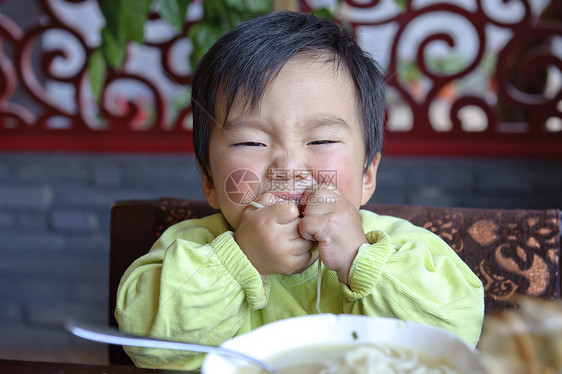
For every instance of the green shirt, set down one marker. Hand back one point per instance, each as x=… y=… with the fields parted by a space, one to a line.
x=196 y=285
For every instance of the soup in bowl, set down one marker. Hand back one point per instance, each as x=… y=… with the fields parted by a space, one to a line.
x=327 y=343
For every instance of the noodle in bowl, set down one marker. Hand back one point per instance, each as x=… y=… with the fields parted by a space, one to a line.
x=329 y=344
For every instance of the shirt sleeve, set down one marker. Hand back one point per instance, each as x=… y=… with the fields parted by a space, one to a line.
x=415 y=276
x=188 y=291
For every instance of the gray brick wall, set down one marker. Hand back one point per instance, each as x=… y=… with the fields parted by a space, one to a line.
x=54 y=235
x=466 y=182
x=54 y=221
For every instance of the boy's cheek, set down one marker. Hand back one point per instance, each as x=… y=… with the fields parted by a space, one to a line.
x=234 y=213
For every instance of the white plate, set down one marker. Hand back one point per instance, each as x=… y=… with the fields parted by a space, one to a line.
x=299 y=332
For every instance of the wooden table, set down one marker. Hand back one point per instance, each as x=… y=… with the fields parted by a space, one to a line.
x=32 y=367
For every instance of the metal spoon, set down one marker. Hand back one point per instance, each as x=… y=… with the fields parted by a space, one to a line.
x=105 y=334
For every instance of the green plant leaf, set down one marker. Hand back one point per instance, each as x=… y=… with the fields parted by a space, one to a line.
x=255 y=7
x=323 y=13
x=232 y=19
x=403 y=4
x=111 y=11
x=236 y=5
x=124 y=21
x=97 y=70
x=133 y=15
x=215 y=11
x=203 y=35
x=248 y=7
x=173 y=11
x=112 y=35
x=113 y=47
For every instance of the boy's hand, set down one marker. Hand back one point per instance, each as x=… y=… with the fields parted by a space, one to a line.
x=334 y=222
x=270 y=237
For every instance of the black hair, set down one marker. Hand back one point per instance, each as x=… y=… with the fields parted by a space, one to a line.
x=243 y=61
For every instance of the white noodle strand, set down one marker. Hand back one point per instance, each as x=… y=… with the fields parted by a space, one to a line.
x=318 y=285
x=377 y=359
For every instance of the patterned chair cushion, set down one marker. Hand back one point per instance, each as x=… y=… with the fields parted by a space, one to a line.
x=511 y=251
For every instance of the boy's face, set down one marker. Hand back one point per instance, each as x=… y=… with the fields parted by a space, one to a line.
x=306 y=130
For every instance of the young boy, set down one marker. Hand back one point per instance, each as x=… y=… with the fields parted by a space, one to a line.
x=288 y=113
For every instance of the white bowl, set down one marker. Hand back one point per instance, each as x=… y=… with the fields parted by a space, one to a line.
x=272 y=339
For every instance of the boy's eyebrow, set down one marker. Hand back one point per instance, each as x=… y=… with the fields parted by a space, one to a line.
x=322 y=120
x=326 y=120
x=241 y=122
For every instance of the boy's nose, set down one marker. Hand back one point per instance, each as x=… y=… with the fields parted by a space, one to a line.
x=287 y=159
x=288 y=165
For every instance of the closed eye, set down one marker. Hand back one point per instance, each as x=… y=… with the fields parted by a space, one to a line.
x=323 y=142
x=249 y=144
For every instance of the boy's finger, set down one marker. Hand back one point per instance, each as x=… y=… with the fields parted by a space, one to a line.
x=319 y=228
x=322 y=201
x=292 y=233
x=299 y=246
x=329 y=187
x=302 y=254
x=284 y=211
x=318 y=188
x=309 y=227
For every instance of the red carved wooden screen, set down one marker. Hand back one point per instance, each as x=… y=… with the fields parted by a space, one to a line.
x=502 y=97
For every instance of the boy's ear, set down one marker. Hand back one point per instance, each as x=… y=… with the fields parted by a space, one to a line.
x=209 y=190
x=370 y=179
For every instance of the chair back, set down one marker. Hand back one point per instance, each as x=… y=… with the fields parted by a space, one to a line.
x=511 y=251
